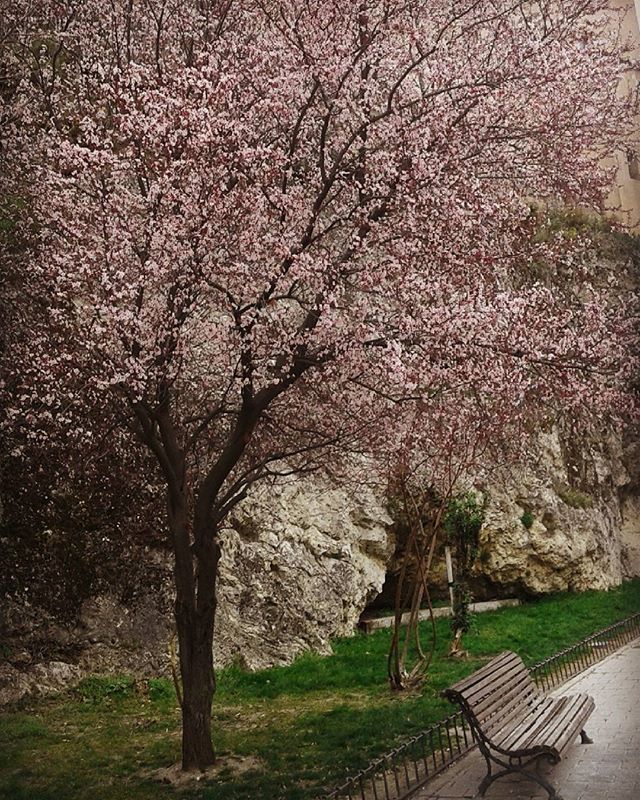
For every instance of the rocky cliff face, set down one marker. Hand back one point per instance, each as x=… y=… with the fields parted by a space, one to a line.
x=568 y=519
x=301 y=562
x=299 y=565
x=630 y=511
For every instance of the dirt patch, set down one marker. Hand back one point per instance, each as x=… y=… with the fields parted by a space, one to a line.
x=228 y=766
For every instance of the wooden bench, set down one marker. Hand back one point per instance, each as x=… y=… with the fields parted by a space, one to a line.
x=513 y=723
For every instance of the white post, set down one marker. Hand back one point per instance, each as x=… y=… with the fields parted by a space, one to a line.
x=447 y=556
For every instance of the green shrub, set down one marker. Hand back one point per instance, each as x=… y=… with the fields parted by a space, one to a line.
x=160 y=689
x=527 y=519
x=463 y=521
x=573 y=498
x=96 y=688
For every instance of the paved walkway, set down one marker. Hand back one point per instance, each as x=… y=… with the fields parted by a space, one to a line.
x=608 y=769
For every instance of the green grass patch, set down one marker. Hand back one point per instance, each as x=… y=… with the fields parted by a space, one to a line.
x=308 y=724
x=96 y=689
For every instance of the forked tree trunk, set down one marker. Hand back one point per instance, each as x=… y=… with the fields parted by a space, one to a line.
x=197 y=556
x=193 y=535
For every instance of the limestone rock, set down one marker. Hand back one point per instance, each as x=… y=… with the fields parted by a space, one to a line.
x=117 y=638
x=13 y=684
x=53 y=676
x=560 y=522
x=630 y=536
x=44 y=678
x=299 y=564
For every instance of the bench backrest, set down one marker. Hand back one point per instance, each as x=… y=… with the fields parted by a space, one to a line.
x=496 y=694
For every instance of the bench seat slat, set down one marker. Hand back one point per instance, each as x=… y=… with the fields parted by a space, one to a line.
x=565 y=712
x=501 y=680
x=552 y=725
x=514 y=710
x=467 y=683
x=528 y=727
x=513 y=690
x=569 y=735
x=567 y=723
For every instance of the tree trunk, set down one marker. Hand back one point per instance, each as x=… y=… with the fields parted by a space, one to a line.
x=197 y=556
x=196 y=570
x=196 y=549
x=196 y=666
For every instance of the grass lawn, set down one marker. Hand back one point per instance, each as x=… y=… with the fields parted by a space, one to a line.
x=308 y=724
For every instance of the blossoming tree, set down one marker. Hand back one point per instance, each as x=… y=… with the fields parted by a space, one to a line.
x=257 y=230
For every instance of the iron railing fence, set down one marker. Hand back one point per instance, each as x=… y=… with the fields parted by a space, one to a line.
x=566 y=664
x=397 y=774
x=402 y=771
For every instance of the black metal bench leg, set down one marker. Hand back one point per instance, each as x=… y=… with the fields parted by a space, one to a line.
x=584 y=739
x=553 y=795
x=507 y=769
x=489 y=779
